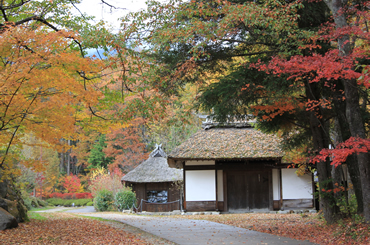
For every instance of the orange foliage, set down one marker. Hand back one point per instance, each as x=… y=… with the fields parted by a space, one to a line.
x=41 y=87
x=127 y=148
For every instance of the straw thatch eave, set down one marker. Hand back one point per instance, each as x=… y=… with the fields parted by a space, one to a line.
x=153 y=170
x=228 y=144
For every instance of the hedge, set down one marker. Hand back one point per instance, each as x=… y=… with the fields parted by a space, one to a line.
x=68 y=203
x=84 y=195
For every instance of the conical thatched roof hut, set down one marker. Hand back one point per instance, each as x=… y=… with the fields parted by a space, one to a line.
x=155 y=183
x=155 y=169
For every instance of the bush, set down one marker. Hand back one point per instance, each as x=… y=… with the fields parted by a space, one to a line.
x=31 y=201
x=90 y=204
x=101 y=180
x=26 y=199
x=42 y=203
x=103 y=200
x=68 y=203
x=124 y=199
x=84 y=195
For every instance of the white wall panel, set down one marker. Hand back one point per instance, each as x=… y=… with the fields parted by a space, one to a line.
x=200 y=185
x=296 y=187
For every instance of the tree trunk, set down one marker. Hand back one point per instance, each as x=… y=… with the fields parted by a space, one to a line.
x=353 y=114
x=61 y=166
x=357 y=129
x=320 y=138
x=327 y=200
x=342 y=133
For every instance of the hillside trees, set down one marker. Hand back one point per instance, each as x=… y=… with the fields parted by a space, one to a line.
x=41 y=91
x=48 y=88
x=194 y=38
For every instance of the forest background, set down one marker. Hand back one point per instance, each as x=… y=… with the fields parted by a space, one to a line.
x=299 y=67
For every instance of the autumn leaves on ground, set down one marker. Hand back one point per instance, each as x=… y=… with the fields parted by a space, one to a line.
x=311 y=227
x=62 y=228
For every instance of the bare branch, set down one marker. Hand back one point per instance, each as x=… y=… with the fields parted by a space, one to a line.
x=111 y=6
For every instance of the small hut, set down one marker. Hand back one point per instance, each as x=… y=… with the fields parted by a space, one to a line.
x=156 y=184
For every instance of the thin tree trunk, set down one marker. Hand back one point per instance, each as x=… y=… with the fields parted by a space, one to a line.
x=68 y=159
x=61 y=166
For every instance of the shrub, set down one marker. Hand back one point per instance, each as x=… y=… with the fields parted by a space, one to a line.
x=68 y=203
x=84 y=195
x=72 y=183
x=124 y=199
x=32 y=202
x=103 y=200
x=101 y=180
x=55 y=201
x=90 y=204
x=42 y=203
x=68 y=196
x=27 y=199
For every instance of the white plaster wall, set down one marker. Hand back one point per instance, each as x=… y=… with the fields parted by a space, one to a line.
x=276 y=184
x=200 y=185
x=192 y=163
x=296 y=187
x=220 y=185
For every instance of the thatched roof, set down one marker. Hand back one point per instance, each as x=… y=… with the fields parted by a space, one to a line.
x=154 y=169
x=228 y=143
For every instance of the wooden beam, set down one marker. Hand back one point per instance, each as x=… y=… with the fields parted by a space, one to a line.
x=216 y=207
x=225 y=190
x=281 y=189
x=271 y=192
x=184 y=172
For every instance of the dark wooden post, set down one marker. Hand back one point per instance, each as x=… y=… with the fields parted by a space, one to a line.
x=216 y=182
x=184 y=173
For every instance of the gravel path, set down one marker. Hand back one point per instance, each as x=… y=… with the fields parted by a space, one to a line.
x=185 y=231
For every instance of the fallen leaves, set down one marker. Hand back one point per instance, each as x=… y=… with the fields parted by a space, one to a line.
x=301 y=227
x=63 y=228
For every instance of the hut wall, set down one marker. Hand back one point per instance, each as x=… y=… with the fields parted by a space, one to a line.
x=142 y=189
x=297 y=191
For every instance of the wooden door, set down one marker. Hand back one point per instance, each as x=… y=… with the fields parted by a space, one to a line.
x=247 y=190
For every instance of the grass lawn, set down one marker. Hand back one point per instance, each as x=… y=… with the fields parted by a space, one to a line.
x=310 y=227
x=65 y=228
x=43 y=208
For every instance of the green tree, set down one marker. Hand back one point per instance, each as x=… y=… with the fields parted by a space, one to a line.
x=193 y=39
x=97 y=157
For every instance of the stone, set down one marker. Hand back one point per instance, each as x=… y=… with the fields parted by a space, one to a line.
x=3 y=204
x=18 y=210
x=12 y=208
x=7 y=221
x=3 y=188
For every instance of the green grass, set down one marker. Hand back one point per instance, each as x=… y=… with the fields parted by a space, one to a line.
x=36 y=216
x=42 y=208
x=96 y=218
